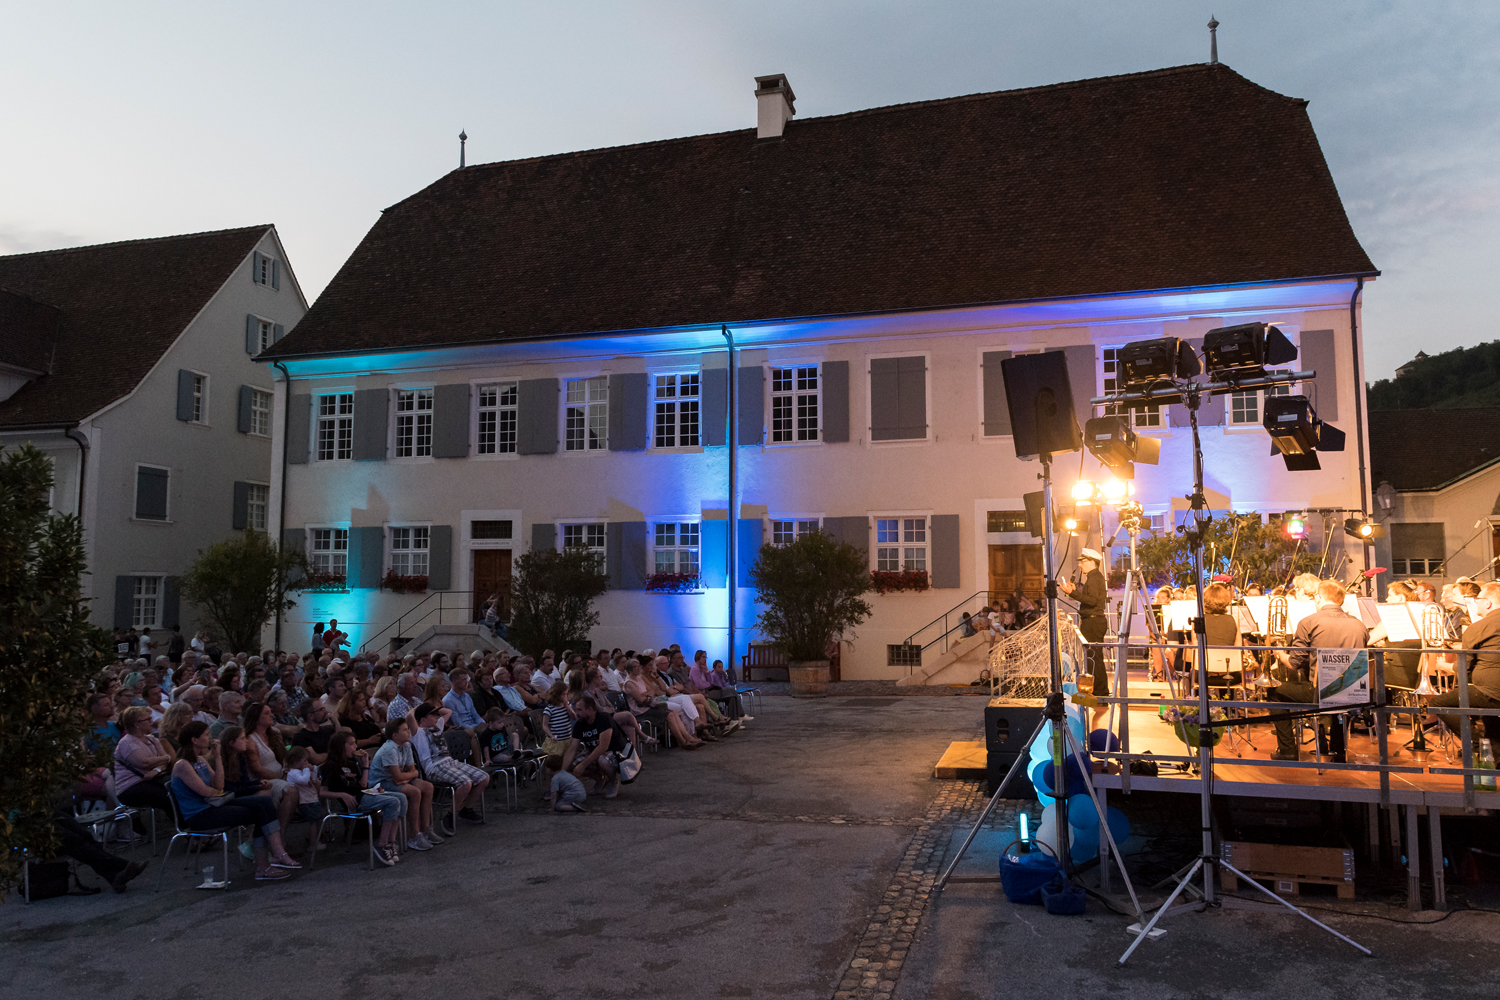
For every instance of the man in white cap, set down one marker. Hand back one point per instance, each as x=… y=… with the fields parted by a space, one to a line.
x=1091 y=596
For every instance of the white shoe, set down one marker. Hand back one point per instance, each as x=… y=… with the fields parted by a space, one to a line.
x=747 y=718
x=431 y=837
x=417 y=843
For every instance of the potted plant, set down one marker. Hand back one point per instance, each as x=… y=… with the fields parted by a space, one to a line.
x=811 y=594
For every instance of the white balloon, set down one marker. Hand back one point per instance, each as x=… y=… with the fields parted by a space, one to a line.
x=1046 y=830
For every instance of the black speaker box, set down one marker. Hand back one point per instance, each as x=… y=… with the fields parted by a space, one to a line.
x=1009 y=724
x=1040 y=398
x=997 y=765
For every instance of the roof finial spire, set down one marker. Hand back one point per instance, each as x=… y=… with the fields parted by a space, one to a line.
x=463 y=137
x=1213 y=40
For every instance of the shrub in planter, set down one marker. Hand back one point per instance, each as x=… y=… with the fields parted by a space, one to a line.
x=811 y=591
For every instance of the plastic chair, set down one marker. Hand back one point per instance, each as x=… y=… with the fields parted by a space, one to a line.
x=216 y=833
x=349 y=817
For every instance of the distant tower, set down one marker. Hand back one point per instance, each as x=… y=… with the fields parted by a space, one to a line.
x=1213 y=41
x=463 y=137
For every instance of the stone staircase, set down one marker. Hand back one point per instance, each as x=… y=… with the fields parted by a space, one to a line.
x=961 y=664
x=464 y=638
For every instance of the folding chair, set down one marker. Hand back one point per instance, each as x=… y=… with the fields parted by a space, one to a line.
x=352 y=818
x=200 y=836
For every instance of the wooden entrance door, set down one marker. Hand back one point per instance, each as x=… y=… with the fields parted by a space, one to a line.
x=491 y=576
x=1016 y=567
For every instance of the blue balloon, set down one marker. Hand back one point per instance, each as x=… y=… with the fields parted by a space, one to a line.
x=1104 y=741
x=1081 y=812
x=1038 y=778
x=1119 y=827
x=1085 y=844
x=1072 y=783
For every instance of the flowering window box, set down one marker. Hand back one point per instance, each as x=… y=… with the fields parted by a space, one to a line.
x=893 y=581
x=398 y=583
x=673 y=583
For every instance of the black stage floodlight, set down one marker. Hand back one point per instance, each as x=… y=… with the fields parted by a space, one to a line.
x=1146 y=361
x=1244 y=351
x=1033 y=502
x=1363 y=529
x=1297 y=434
x=1117 y=447
x=1040 y=399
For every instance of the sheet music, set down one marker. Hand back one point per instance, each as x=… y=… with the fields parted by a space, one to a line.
x=1244 y=619
x=1296 y=610
x=1180 y=615
x=1363 y=608
x=1400 y=626
x=1260 y=610
x=1471 y=604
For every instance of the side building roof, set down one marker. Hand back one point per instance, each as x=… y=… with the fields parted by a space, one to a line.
x=1175 y=178
x=118 y=307
x=1429 y=449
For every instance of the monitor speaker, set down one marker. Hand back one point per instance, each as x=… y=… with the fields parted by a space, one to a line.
x=1042 y=418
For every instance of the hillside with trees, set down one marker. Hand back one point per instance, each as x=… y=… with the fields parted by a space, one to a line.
x=1464 y=376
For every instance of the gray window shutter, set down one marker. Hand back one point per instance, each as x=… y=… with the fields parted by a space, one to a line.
x=543 y=536
x=171 y=602
x=370 y=423
x=255 y=267
x=252 y=334
x=751 y=401
x=440 y=557
x=247 y=399
x=835 y=401
x=124 y=600
x=184 y=394
x=366 y=557
x=276 y=274
x=1317 y=354
x=450 y=421
x=1083 y=376
x=277 y=332
x=298 y=428
x=944 y=560
x=996 y=412
x=294 y=539
x=151 y=493
x=853 y=530
x=713 y=553
x=627 y=411
x=614 y=536
x=632 y=554
x=898 y=398
x=537 y=416
x=715 y=407
x=241 y=517
x=750 y=537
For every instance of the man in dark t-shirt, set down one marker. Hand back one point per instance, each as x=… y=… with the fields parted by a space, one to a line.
x=598 y=739
x=315 y=732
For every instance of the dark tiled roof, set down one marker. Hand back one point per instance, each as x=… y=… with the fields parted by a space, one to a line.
x=28 y=332
x=1425 y=449
x=122 y=305
x=1174 y=178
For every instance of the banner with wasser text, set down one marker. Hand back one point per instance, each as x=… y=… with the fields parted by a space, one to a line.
x=1343 y=677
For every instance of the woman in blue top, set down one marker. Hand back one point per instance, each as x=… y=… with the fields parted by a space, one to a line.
x=198 y=777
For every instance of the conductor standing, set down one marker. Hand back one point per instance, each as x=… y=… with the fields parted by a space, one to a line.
x=1091 y=595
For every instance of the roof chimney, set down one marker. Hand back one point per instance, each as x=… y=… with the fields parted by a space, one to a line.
x=774 y=105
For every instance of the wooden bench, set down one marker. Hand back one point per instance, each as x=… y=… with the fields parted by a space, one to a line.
x=762 y=656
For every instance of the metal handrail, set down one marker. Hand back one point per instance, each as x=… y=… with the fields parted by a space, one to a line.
x=947 y=630
x=395 y=627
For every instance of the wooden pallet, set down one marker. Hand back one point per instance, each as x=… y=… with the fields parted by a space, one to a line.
x=1285 y=869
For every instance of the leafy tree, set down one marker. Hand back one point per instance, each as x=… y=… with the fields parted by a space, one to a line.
x=48 y=653
x=552 y=599
x=811 y=591
x=241 y=583
x=1464 y=376
x=1237 y=544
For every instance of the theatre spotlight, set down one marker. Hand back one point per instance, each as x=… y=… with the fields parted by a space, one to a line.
x=1297 y=433
x=1114 y=490
x=1365 y=530
x=1295 y=525
x=1117 y=447
x=1146 y=361
x=1244 y=351
x=1083 y=492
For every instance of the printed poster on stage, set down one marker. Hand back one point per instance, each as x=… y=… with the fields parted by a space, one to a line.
x=1343 y=677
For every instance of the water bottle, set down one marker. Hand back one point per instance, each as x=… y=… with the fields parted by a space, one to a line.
x=1486 y=760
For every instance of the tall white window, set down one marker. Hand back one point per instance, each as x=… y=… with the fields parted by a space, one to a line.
x=257 y=506
x=586 y=414
x=585 y=536
x=794 y=404
x=497 y=418
x=787 y=532
x=264 y=272
x=145 y=604
x=260 y=412
x=1140 y=416
x=414 y=423
x=677 y=398
x=1245 y=407
x=335 y=426
x=329 y=552
x=900 y=544
x=266 y=333
x=409 y=551
x=200 y=398
x=675 y=545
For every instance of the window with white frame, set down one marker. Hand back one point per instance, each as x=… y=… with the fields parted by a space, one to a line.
x=257 y=506
x=145 y=602
x=676 y=397
x=794 y=404
x=785 y=532
x=328 y=551
x=200 y=399
x=263 y=272
x=1245 y=407
x=265 y=333
x=675 y=547
x=409 y=548
x=413 y=423
x=1140 y=416
x=260 y=412
x=497 y=418
x=586 y=414
x=335 y=433
x=585 y=536
x=900 y=544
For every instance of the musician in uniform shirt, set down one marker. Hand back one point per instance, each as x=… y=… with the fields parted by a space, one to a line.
x=1329 y=627
x=1483 y=639
x=1092 y=595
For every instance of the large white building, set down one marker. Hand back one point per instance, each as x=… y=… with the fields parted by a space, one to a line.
x=531 y=353
x=130 y=365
